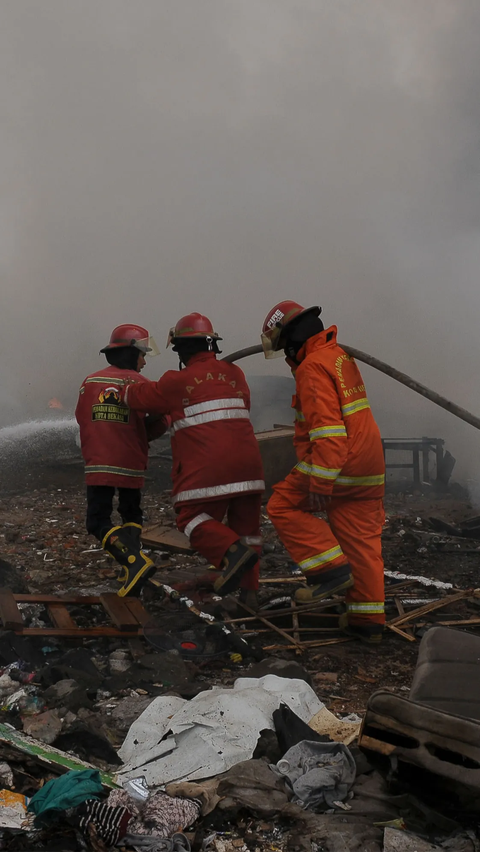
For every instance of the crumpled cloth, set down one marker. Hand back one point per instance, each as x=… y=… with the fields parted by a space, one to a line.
x=142 y=843
x=160 y=816
x=67 y=791
x=111 y=824
x=318 y=774
x=204 y=792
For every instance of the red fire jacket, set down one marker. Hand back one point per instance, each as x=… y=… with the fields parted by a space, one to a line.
x=215 y=452
x=114 y=440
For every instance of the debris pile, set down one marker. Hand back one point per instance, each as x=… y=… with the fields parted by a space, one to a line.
x=130 y=726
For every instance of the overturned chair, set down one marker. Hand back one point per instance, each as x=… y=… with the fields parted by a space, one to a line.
x=432 y=738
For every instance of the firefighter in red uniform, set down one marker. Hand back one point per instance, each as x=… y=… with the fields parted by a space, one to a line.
x=114 y=443
x=340 y=470
x=217 y=469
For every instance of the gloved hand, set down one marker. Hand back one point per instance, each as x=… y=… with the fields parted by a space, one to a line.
x=318 y=502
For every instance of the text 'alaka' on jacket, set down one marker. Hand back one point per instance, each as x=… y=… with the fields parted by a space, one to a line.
x=215 y=452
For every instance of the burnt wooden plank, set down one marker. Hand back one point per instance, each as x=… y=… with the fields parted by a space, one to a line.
x=138 y=611
x=118 y=611
x=9 y=612
x=60 y=616
x=88 y=600
x=166 y=538
x=77 y=632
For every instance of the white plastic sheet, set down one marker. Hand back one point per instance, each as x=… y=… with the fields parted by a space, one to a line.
x=212 y=732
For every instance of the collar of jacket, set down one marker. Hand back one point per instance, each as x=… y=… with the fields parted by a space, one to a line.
x=202 y=356
x=325 y=338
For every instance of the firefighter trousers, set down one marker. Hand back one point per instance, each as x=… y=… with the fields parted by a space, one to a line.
x=203 y=523
x=351 y=536
x=100 y=508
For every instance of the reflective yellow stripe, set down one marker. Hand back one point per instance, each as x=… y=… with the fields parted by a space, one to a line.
x=103 y=379
x=316 y=470
x=366 y=607
x=353 y=407
x=328 y=432
x=299 y=415
x=321 y=558
x=107 y=468
x=361 y=480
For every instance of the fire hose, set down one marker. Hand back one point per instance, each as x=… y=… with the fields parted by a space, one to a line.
x=454 y=409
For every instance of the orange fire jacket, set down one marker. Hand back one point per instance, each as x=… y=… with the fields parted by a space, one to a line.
x=337 y=440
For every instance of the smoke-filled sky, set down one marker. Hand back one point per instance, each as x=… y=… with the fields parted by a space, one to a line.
x=163 y=156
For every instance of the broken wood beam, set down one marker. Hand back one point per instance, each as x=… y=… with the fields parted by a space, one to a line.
x=408 y=636
x=296 y=634
x=401 y=611
x=306 y=645
x=423 y=610
x=269 y=624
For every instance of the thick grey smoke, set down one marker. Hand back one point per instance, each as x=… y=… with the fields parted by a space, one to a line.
x=160 y=157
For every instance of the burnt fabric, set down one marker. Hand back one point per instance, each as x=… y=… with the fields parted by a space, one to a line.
x=212 y=538
x=215 y=452
x=111 y=824
x=290 y=729
x=318 y=774
x=340 y=457
x=100 y=507
x=160 y=816
x=113 y=438
x=141 y=843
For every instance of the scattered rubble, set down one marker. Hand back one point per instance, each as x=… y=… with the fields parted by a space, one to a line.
x=73 y=704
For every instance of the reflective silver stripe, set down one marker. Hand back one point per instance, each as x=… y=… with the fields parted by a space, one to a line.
x=210 y=416
x=366 y=607
x=303 y=467
x=255 y=540
x=316 y=470
x=328 y=432
x=220 y=490
x=108 y=468
x=321 y=558
x=213 y=405
x=299 y=415
x=353 y=407
x=361 y=480
x=195 y=522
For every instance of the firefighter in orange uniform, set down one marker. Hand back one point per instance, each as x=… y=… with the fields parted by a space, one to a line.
x=340 y=470
x=114 y=445
x=217 y=468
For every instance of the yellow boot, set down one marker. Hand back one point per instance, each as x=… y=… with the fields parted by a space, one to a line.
x=137 y=567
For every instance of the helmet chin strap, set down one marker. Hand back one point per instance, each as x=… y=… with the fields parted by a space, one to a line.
x=209 y=343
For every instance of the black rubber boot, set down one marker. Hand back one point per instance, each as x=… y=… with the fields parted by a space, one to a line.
x=137 y=567
x=237 y=561
x=134 y=532
x=325 y=584
x=370 y=634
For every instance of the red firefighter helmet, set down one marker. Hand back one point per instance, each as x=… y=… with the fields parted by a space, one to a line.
x=192 y=325
x=131 y=335
x=277 y=320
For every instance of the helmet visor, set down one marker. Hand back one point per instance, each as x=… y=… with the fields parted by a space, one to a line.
x=271 y=343
x=148 y=346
